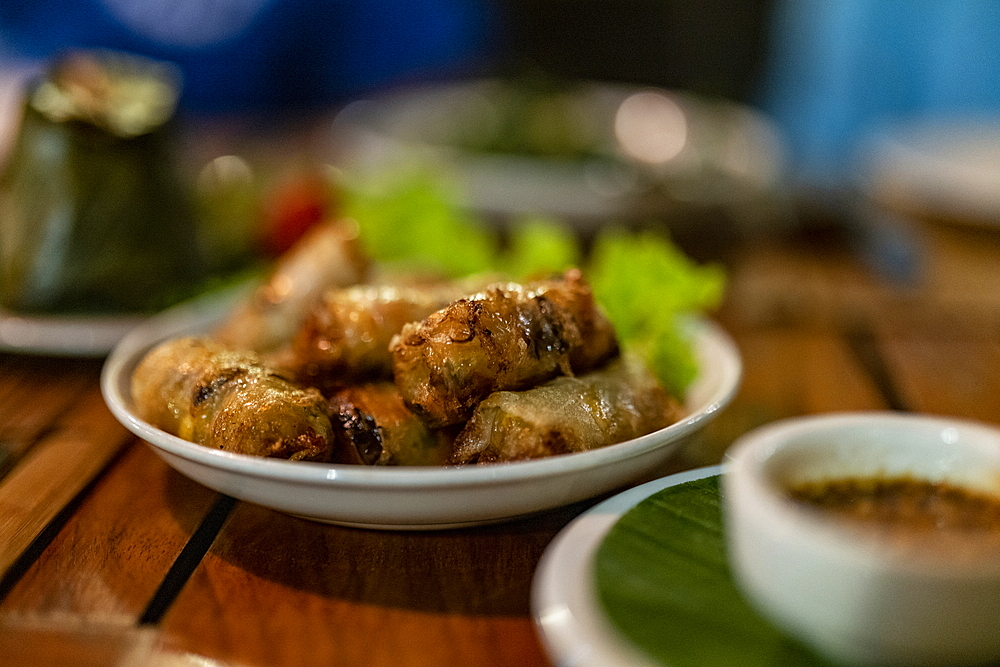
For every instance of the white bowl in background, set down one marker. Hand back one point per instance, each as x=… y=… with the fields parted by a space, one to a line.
x=732 y=155
x=852 y=596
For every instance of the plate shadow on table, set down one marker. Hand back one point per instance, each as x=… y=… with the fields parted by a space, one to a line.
x=476 y=571
x=485 y=571
x=189 y=503
x=479 y=571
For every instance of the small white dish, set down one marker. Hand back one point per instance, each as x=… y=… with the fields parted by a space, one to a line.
x=64 y=335
x=416 y=498
x=855 y=596
x=568 y=614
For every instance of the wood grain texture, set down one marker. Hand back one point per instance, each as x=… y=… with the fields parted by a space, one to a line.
x=78 y=446
x=796 y=373
x=287 y=591
x=34 y=393
x=33 y=644
x=947 y=375
x=108 y=559
x=787 y=372
x=956 y=284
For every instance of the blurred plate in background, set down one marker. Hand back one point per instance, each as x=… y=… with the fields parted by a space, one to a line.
x=76 y=336
x=945 y=170
x=584 y=151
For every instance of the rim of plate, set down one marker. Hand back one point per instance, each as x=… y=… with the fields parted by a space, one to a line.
x=570 y=620
x=718 y=354
x=64 y=335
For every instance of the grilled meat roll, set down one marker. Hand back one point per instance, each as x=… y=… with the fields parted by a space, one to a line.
x=328 y=255
x=345 y=337
x=621 y=401
x=206 y=393
x=508 y=337
x=374 y=427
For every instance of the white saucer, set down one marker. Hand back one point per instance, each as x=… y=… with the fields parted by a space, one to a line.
x=571 y=622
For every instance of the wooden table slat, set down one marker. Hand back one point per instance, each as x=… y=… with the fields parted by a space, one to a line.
x=30 y=403
x=947 y=376
x=73 y=644
x=271 y=579
x=786 y=373
x=55 y=471
x=109 y=558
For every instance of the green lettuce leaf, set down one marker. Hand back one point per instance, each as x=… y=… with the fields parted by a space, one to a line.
x=647 y=286
x=539 y=245
x=415 y=222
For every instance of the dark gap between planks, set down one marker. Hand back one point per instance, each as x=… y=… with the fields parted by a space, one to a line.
x=863 y=345
x=188 y=559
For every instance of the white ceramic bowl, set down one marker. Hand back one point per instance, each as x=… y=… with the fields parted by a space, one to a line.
x=853 y=597
x=417 y=498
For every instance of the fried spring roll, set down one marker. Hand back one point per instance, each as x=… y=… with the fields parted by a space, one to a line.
x=345 y=338
x=329 y=255
x=374 y=427
x=199 y=390
x=508 y=337
x=621 y=401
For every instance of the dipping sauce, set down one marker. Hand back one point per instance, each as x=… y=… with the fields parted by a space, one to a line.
x=912 y=514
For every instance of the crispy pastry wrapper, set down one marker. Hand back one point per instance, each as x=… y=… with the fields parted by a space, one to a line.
x=508 y=337
x=618 y=402
x=345 y=337
x=206 y=393
x=375 y=427
x=329 y=255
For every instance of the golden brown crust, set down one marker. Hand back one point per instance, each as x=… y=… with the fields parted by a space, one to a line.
x=509 y=337
x=345 y=337
x=375 y=427
x=329 y=255
x=618 y=402
x=201 y=391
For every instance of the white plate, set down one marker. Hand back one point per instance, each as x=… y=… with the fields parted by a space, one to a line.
x=946 y=169
x=64 y=335
x=424 y=125
x=570 y=619
x=416 y=498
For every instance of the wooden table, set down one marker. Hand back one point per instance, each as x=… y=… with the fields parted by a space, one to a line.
x=108 y=556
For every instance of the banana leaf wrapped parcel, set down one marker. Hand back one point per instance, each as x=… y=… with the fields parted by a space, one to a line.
x=93 y=216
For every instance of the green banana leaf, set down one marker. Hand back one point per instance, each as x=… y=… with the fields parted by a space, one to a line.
x=664 y=582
